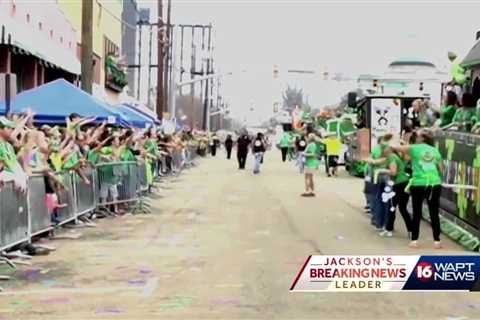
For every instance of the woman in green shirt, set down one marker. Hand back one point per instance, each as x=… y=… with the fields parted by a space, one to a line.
x=425 y=184
x=396 y=166
x=464 y=117
x=311 y=165
x=449 y=109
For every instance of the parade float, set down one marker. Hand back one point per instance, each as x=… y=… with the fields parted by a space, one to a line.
x=376 y=116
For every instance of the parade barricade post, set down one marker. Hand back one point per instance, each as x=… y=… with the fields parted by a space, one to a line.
x=39 y=217
x=67 y=197
x=85 y=194
x=14 y=221
x=117 y=183
x=142 y=185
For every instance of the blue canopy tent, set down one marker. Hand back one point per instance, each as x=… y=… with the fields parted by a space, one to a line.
x=136 y=118
x=54 y=101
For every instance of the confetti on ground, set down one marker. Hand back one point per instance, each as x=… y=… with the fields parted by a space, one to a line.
x=108 y=311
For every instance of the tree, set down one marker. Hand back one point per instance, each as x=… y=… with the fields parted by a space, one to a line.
x=292 y=97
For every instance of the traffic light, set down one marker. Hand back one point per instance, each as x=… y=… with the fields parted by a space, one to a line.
x=375 y=83
x=275 y=71
x=421 y=86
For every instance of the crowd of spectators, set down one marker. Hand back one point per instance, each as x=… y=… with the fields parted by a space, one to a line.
x=81 y=143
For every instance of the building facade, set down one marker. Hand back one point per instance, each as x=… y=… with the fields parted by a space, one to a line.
x=129 y=43
x=37 y=43
x=109 y=76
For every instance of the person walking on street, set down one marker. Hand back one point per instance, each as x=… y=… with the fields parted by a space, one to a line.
x=333 y=147
x=229 y=146
x=258 y=151
x=214 y=142
x=285 y=145
x=311 y=165
x=243 y=143
x=300 y=146
x=426 y=184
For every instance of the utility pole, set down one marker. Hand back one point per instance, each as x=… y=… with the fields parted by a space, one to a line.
x=87 y=46
x=168 y=41
x=140 y=25
x=206 y=104
x=160 y=61
x=149 y=87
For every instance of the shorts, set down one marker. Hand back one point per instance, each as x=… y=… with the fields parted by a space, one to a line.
x=309 y=171
x=332 y=161
x=107 y=189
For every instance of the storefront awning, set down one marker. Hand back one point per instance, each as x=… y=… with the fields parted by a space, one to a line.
x=24 y=41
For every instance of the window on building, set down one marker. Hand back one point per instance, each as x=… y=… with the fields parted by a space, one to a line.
x=110 y=48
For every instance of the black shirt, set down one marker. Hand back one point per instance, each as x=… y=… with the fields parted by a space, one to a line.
x=301 y=145
x=258 y=145
x=242 y=144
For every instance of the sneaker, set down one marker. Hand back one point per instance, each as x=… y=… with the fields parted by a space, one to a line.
x=413 y=244
x=437 y=245
x=386 y=233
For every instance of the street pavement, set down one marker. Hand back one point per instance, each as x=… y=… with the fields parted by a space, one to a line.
x=223 y=244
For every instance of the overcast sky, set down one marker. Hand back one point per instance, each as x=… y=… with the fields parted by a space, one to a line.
x=339 y=36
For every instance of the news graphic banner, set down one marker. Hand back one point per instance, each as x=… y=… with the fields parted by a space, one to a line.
x=388 y=273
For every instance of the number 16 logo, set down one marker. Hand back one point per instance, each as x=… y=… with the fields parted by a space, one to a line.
x=424 y=271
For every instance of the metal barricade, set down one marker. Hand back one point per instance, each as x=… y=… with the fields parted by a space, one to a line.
x=13 y=217
x=67 y=197
x=85 y=197
x=117 y=182
x=142 y=185
x=39 y=217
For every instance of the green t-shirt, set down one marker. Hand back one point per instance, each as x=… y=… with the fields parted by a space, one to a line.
x=465 y=116
x=72 y=161
x=151 y=147
x=311 y=156
x=376 y=152
x=425 y=160
x=93 y=157
x=8 y=156
x=127 y=155
x=285 y=141
x=401 y=176
x=448 y=112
